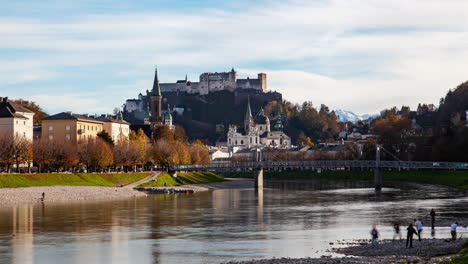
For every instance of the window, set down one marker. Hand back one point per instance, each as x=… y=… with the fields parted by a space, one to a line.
x=51 y=127
x=67 y=136
x=256 y=140
x=51 y=136
x=24 y=122
x=250 y=140
x=24 y=134
x=67 y=127
x=16 y=121
x=242 y=142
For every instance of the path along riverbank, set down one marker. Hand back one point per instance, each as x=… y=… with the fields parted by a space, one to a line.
x=428 y=251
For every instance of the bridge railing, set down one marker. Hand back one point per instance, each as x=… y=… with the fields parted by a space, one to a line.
x=324 y=164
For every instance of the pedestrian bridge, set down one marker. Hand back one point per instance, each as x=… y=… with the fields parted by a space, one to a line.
x=364 y=165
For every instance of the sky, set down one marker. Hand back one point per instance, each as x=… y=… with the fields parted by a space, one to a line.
x=359 y=55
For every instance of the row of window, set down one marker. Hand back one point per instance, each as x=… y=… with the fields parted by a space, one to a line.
x=67 y=127
x=88 y=127
x=17 y=122
x=67 y=136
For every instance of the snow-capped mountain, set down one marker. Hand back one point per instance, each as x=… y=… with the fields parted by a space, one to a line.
x=348 y=116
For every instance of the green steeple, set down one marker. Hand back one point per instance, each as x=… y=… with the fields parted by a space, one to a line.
x=279 y=123
x=156 y=89
x=248 y=113
x=168 y=115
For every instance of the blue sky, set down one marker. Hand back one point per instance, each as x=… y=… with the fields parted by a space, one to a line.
x=89 y=56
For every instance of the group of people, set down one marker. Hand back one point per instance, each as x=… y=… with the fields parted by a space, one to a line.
x=414 y=228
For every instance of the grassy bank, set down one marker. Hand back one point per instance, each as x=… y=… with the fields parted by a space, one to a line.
x=462 y=258
x=69 y=179
x=166 y=180
x=457 y=179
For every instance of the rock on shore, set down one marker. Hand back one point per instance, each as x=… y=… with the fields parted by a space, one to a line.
x=11 y=196
x=427 y=251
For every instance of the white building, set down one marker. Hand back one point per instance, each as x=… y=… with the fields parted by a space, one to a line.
x=15 y=119
x=115 y=126
x=257 y=132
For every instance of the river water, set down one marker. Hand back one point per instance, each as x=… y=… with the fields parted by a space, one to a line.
x=286 y=219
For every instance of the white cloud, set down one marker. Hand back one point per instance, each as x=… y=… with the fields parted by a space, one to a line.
x=338 y=52
x=77 y=103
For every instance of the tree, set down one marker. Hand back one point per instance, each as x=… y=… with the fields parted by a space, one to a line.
x=163 y=132
x=39 y=114
x=179 y=134
x=106 y=137
x=199 y=153
x=165 y=153
x=95 y=153
x=15 y=150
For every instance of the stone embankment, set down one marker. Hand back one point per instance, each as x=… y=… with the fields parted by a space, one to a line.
x=428 y=251
x=234 y=183
x=31 y=195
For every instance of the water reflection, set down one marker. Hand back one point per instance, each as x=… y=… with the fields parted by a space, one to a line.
x=296 y=219
x=22 y=242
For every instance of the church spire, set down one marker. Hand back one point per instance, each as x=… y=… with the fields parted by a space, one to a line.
x=156 y=89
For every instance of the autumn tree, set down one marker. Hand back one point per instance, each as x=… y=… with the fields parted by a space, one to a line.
x=393 y=133
x=95 y=153
x=165 y=153
x=39 y=113
x=15 y=150
x=199 y=153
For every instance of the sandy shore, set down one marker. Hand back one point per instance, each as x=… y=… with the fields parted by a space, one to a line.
x=11 y=196
x=233 y=183
x=427 y=251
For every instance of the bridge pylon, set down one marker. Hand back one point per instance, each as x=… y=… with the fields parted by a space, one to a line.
x=377 y=172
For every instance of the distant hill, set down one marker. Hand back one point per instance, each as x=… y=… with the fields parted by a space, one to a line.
x=348 y=116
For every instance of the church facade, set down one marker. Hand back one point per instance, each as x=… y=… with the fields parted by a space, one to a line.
x=257 y=132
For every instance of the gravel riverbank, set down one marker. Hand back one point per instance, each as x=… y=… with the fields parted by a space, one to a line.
x=11 y=196
x=428 y=251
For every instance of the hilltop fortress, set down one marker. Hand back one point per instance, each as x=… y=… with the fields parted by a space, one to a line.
x=203 y=108
x=218 y=81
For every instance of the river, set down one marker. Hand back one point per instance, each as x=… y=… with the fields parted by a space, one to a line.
x=286 y=219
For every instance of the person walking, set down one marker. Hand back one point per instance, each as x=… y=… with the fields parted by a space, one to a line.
x=409 y=235
x=419 y=227
x=375 y=236
x=453 y=230
x=397 y=233
x=433 y=215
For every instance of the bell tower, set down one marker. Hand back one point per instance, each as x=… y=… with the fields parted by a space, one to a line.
x=156 y=101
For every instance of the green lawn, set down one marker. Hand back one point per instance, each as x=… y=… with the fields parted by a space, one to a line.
x=163 y=179
x=166 y=180
x=68 y=179
x=457 y=179
x=463 y=258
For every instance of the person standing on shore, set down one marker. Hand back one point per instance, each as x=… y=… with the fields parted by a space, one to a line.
x=397 y=233
x=419 y=227
x=453 y=230
x=409 y=235
x=43 y=197
x=375 y=236
x=433 y=214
